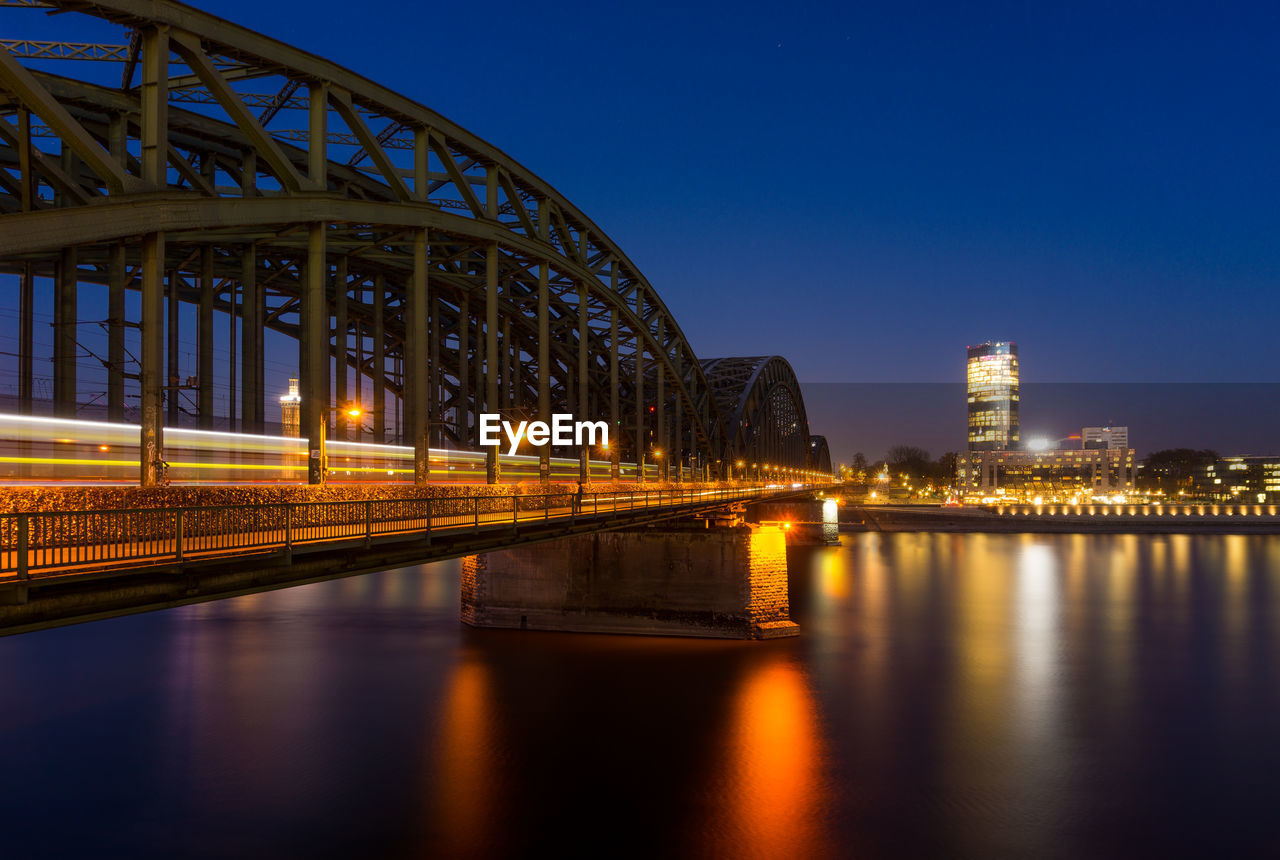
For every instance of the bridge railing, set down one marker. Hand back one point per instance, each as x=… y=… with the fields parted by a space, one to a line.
x=54 y=543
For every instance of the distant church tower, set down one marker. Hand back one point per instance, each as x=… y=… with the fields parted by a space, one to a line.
x=289 y=404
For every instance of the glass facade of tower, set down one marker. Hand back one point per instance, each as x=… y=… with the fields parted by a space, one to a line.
x=993 y=396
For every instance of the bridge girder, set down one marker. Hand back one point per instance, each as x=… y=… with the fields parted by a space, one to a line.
x=763 y=409
x=92 y=175
x=819 y=454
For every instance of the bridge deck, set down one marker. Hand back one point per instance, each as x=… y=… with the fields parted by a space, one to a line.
x=37 y=548
x=64 y=568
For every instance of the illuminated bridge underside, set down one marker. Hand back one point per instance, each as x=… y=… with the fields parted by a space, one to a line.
x=392 y=244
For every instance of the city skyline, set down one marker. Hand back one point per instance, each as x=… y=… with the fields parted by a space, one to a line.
x=1244 y=418
x=1232 y=418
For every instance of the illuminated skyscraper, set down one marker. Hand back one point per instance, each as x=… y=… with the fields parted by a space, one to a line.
x=993 y=396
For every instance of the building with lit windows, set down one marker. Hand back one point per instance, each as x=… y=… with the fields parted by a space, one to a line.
x=1092 y=471
x=993 y=396
x=1052 y=476
x=1239 y=479
x=1105 y=437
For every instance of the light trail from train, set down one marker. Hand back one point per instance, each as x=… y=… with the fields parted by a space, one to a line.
x=40 y=450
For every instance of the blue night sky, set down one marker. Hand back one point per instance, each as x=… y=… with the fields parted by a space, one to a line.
x=866 y=189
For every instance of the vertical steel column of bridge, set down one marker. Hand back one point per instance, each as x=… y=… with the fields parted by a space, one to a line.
x=360 y=331
x=171 y=346
x=414 y=377
x=640 y=440
x=253 y=369
x=315 y=306
x=340 y=348
x=435 y=399
x=664 y=456
x=506 y=360
x=64 y=335
x=116 y=274
x=151 y=442
x=26 y=290
x=615 y=412
x=492 y=471
x=378 y=370
x=517 y=401
x=462 y=405
x=478 y=383
x=492 y=365
x=544 y=351
x=570 y=364
x=26 y=331
x=70 y=167
x=429 y=353
x=233 y=306
x=154 y=134
x=584 y=450
x=315 y=382
x=251 y=366
x=397 y=400
x=435 y=410
x=204 y=339
x=677 y=452
x=517 y=371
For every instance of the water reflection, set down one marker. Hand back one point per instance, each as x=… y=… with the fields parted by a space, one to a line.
x=769 y=798
x=461 y=770
x=1036 y=644
x=950 y=695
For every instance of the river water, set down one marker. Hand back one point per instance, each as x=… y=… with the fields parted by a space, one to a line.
x=950 y=696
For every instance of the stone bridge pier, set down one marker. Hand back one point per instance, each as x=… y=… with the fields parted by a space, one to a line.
x=692 y=579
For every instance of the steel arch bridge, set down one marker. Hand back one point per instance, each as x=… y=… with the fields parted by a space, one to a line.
x=820 y=454
x=762 y=410
x=396 y=248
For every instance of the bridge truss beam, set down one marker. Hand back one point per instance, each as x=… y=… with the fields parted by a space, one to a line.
x=395 y=246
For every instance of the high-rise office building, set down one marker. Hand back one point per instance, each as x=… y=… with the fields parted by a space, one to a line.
x=993 y=396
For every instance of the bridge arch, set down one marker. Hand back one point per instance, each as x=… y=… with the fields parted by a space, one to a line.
x=395 y=246
x=819 y=454
x=763 y=410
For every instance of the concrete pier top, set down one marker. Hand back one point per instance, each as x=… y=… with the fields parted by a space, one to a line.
x=721 y=583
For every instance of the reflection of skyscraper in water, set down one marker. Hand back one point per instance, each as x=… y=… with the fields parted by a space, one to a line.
x=993 y=396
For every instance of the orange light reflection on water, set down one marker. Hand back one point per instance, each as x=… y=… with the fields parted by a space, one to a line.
x=773 y=783
x=461 y=806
